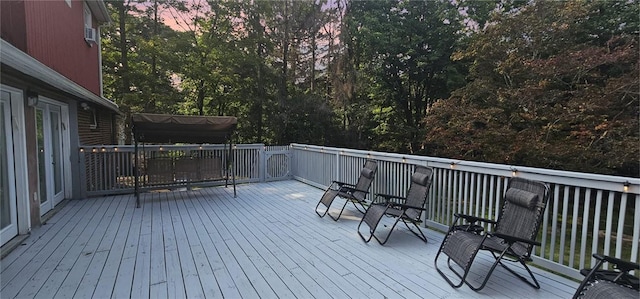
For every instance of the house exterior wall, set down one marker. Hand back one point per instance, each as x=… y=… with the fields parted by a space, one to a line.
x=52 y=33
x=12 y=23
x=102 y=133
x=55 y=37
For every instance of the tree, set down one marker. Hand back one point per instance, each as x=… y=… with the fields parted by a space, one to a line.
x=401 y=53
x=550 y=87
x=137 y=66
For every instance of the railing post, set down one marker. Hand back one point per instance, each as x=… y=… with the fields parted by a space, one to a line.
x=337 y=168
x=293 y=164
x=82 y=162
x=262 y=163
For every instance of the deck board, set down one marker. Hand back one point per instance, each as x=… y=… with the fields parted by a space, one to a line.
x=203 y=243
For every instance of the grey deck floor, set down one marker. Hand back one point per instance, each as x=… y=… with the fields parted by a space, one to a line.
x=266 y=243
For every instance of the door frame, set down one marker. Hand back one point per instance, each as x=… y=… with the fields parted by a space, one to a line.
x=21 y=175
x=65 y=141
x=9 y=232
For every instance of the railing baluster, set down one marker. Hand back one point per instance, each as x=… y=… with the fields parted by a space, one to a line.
x=608 y=227
x=492 y=197
x=442 y=196
x=449 y=199
x=467 y=203
x=477 y=197
x=574 y=226
x=596 y=226
x=499 y=193
x=545 y=231
x=563 y=225
x=484 y=197
x=620 y=232
x=636 y=230
x=554 y=223
x=456 y=197
x=585 y=227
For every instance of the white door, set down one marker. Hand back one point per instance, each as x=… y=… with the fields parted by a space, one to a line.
x=49 y=134
x=8 y=198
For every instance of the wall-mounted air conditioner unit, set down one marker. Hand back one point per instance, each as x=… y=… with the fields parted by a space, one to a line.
x=90 y=35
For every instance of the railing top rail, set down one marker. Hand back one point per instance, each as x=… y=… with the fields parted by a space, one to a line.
x=600 y=181
x=130 y=147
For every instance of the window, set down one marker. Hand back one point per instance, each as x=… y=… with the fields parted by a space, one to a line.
x=89 y=33
x=93 y=119
x=91 y=112
x=87 y=17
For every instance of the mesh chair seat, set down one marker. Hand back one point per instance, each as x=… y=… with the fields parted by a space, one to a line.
x=608 y=284
x=460 y=246
x=356 y=194
x=603 y=289
x=374 y=214
x=513 y=235
x=409 y=211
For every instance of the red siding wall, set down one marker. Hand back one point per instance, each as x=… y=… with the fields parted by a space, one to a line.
x=55 y=37
x=12 y=23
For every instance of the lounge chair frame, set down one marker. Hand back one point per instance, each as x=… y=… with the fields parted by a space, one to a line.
x=616 y=283
x=409 y=211
x=355 y=194
x=463 y=241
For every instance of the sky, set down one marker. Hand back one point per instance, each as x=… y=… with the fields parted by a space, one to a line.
x=179 y=21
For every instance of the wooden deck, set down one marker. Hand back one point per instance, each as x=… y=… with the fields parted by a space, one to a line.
x=266 y=243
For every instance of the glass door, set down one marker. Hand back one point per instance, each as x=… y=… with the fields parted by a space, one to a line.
x=50 y=159
x=8 y=212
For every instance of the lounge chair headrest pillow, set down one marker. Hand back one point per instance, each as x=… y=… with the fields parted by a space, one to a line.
x=420 y=178
x=366 y=172
x=522 y=198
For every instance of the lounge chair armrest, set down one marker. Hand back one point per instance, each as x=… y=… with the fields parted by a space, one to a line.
x=352 y=189
x=404 y=207
x=340 y=184
x=513 y=239
x=389 y=196
x=473 y=219
x=625 y=266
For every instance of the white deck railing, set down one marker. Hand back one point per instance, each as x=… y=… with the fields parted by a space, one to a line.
x=586 y=213
x=110 y=169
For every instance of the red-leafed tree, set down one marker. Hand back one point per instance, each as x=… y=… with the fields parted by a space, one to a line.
x=552 y=84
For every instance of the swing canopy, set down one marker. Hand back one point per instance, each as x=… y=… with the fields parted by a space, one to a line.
x=168 y=128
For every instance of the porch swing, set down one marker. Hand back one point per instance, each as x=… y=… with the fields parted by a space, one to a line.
x=169 y=169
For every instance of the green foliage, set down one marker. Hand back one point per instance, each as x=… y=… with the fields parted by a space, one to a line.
x=402 y=53
x=547 y=90
x=539 y=83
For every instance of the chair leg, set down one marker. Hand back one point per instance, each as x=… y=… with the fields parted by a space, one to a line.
x=533 y=283
x=466 y=269
x=487 y=276
x=588 y=278
x=326 y=200
x=372 y=218
x=341 y=210
x=382 y=242
x=435 y=263
x=323 y=213
x=366 y=240
x=421 y=236
x=498 y=258
x=363 y=210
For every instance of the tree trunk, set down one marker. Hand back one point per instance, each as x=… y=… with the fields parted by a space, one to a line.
x=124 y=48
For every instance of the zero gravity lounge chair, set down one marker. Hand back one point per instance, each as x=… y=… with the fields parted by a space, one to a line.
x=608 y=284
x=356 y=194
x=511 y=239
x=408 y=210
